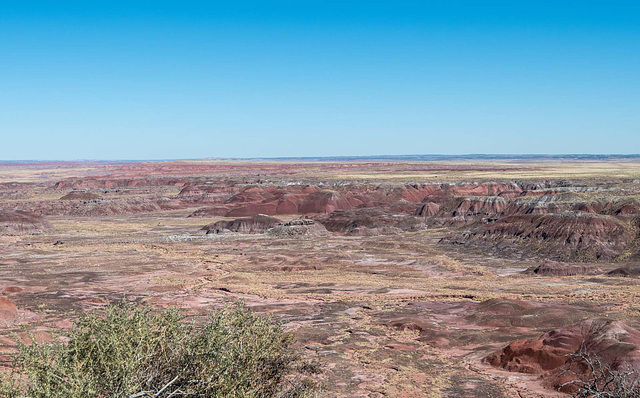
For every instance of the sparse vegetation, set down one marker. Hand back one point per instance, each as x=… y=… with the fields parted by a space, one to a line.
x=594 y=379
x=134 y=352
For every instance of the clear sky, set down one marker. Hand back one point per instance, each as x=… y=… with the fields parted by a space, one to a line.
x=184 y=79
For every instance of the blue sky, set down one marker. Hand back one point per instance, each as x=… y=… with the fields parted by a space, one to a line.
x=185 y=79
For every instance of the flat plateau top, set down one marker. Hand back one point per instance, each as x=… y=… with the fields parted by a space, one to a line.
x=365 y=170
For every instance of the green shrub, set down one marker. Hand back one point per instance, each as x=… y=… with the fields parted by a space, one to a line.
x=138 y=352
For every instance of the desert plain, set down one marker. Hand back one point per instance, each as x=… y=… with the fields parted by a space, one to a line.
x=403 y=278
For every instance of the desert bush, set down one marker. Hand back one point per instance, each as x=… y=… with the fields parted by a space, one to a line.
x=594 y=379
x=134 y=352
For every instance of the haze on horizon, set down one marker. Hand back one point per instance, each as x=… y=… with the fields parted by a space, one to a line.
x=167 y=80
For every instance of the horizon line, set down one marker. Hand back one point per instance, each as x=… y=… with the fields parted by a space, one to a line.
x=416 y=157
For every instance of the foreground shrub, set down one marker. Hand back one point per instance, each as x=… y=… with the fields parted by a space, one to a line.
x=594 y=379
x=135 y=352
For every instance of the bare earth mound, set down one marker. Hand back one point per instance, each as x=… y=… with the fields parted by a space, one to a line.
x=614 y=343
x=327 y=201
x=566 y=235
x=8 y=312
x=19 y=222
x=632 y=270
x=556 y=268
x=80 y=195
x=214 y=211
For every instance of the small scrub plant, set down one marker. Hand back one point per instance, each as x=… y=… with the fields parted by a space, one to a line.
x=597 y=380
x=138 y=352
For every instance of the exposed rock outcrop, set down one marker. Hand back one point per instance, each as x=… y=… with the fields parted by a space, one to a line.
x=249 y=225
x=301 y=227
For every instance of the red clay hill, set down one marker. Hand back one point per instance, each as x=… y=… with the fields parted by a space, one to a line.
x=80 y=195
x=613 y=343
